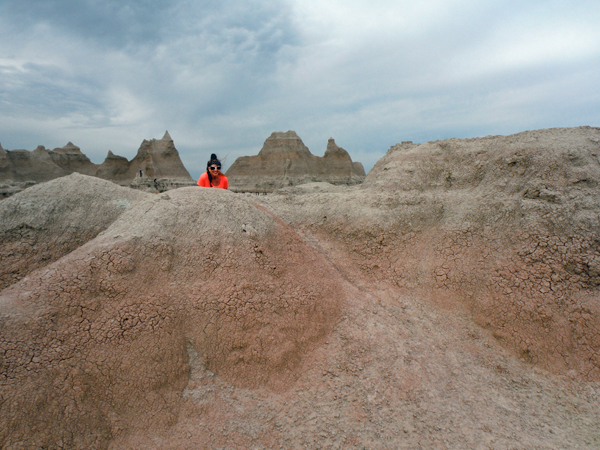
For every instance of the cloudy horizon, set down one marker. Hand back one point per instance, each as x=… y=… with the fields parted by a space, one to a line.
x=221 y=76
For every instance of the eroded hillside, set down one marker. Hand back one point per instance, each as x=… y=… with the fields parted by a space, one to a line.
x=449 y=302
x=506 y=225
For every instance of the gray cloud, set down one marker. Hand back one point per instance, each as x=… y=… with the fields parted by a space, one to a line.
x=113 y=23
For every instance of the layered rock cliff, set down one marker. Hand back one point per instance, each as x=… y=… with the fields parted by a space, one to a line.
x=158 y=160
x=284 y=160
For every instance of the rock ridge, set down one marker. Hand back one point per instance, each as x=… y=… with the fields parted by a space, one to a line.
x=285 y=161
x=158 y=160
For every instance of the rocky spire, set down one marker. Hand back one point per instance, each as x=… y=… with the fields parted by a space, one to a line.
x=282 y=143
x=333 y=150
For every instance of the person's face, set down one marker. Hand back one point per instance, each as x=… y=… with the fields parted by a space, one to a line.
x=214 y=169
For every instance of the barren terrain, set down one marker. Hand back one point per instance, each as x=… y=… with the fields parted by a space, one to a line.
x=451 y=301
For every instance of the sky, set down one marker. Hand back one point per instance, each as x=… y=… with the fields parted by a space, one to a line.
x=222 y=75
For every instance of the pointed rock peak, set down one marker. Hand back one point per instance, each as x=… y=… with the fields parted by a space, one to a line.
x=2 y=151
x=334 y=150
x=167 y=136
x=40 y=148
x=112 y=158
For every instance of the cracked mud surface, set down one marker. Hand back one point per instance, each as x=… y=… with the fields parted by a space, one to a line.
x=450 y=302
x=54 y=219
x=394 y=373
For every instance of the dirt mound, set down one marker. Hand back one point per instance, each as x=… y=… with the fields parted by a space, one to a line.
x=47 y=221
x=507 y=225
x=96 y=342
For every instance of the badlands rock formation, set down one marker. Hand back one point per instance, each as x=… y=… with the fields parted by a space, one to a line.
x=509 y=227
x=158 y=160
x=155 y=158
x=20 y=169
x=450 y=301
x=284 y=161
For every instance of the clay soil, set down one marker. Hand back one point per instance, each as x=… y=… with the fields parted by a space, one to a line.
x=396 y=372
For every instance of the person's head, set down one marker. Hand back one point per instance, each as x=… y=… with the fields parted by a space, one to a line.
x=213 y=167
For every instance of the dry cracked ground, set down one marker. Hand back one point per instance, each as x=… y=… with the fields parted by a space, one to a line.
x=450 y=302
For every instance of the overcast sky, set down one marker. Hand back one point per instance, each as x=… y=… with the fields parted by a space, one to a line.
x=222 y=75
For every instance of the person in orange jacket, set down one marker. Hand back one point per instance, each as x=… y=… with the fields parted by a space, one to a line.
x=213 y=176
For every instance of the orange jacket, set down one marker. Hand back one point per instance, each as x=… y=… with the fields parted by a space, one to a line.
x=203 y=181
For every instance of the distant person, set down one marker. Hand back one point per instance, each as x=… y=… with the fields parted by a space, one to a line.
x=213 y=176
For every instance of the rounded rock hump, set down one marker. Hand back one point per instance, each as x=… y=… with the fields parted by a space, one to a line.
x=507 y=165
x=47 y=221
x=508 y=226
x=192 y=276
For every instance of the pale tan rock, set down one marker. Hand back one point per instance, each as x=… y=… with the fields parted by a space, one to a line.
x=23 y=166
x=159 y=159
x=285 y=161
x=114 y=168
x=103 y=335
x=50 y=220
x=70 y=159
x=159 y=163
